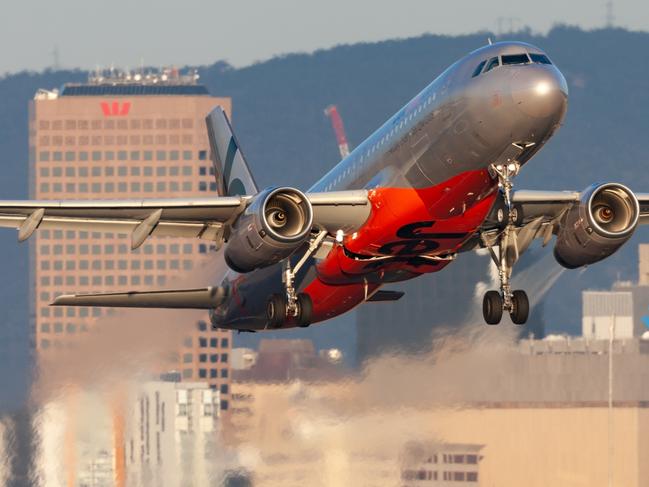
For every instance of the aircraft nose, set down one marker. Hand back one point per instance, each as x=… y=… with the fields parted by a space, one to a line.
x=540 y=91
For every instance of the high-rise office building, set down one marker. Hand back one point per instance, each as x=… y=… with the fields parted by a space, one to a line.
x=172 y=434
x=115 y=137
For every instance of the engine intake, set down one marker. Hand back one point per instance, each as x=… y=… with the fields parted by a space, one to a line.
x=603 y=220
x=275 y=224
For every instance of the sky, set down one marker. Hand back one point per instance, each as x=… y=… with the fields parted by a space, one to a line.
x=129 y=33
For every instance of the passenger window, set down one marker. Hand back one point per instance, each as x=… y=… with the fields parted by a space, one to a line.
x=515 y=59
x=493 y=63
x=478 y=68
x=540 y=59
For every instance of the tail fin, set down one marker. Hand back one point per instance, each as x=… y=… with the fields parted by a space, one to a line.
x=233 y=176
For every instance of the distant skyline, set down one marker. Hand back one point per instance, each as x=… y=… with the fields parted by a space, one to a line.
x=126 y=33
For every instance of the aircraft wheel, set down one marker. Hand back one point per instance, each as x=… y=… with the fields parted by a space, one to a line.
x=521 y=307
x=305 y=310
x=492 y=307
x=276 y=310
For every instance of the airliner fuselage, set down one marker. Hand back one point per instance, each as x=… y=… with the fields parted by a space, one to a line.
x=430 y=180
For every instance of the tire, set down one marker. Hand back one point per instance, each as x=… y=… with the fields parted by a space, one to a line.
x=492 y=307
x=521 y=307
x=276 y=310
x=305 y=310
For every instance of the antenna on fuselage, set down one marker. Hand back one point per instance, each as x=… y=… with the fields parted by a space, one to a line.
x=489 y=41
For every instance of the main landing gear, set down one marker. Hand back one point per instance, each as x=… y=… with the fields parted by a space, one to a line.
x=516 y=302
x=277 y=310
x=292 y=305
x=493 y=306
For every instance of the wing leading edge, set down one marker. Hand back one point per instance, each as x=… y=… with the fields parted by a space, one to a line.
x=203 y=218
x=551 y=204
x=540 y=214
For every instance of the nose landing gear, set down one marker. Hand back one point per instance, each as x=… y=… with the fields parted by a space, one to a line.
x=516 y=302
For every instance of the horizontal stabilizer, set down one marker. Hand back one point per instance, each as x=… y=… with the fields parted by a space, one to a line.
x=203 y=298
x=379 y=296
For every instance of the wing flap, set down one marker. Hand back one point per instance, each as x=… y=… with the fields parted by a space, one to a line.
x=202 y=298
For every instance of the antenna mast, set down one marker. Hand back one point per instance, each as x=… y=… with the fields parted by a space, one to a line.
x=610 y=17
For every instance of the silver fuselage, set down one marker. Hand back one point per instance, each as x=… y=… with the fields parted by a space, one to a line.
x=458 y=123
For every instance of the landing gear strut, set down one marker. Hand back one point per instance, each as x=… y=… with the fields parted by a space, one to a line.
x=516 y=302
x=291 y=304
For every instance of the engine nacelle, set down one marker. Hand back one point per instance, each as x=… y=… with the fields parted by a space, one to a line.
x=272 y=227
x=603 y=220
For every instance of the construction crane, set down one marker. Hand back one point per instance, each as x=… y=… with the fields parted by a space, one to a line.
x=337 y=123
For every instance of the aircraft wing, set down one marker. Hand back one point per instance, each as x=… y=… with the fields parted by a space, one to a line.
x=203 y=218
x=551 y=204
x=541 y=214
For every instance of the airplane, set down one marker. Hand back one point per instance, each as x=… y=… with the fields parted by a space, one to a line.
x=435 y=181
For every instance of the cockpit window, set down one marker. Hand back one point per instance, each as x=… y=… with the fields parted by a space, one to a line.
x=493 y=63
x=510 y=59
x=515 y=59
x=540 y=59
x=478 y=68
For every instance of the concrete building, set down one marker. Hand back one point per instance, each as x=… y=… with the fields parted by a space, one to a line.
x=157 y=433
x=331 y=434
x=606 y=310
x=534 y=414
x=121 y=136
x=626 y=303
x=444 y=465
x=74 y=441
x=172 y=434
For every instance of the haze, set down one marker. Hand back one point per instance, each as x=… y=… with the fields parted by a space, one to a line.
x=90 y=33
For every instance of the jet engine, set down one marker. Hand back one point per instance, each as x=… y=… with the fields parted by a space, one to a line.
x=603 y=220
x=275 y=224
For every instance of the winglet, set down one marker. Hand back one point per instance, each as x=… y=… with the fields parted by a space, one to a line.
x=233 y=176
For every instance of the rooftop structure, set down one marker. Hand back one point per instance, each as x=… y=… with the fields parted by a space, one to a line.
x=166 y=76
x=168 y=81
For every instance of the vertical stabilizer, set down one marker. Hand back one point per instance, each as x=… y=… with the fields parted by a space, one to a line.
x=233 y=176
